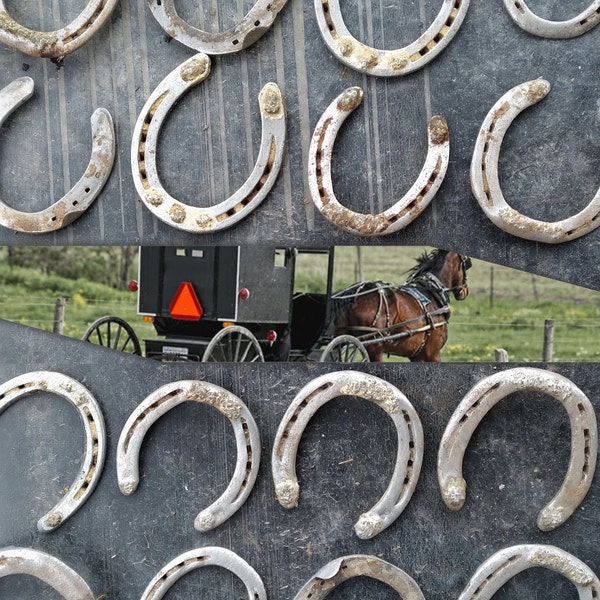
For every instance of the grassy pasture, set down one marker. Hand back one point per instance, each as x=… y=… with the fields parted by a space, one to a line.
x=512 y=318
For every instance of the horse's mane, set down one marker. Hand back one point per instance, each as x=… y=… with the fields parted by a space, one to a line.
x=428 y=261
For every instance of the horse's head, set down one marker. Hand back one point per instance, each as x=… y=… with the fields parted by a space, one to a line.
x=459 y=265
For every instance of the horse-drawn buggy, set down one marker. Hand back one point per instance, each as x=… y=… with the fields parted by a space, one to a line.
x=239 y=304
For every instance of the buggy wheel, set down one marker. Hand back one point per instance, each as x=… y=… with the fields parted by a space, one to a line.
x=233 y=344
x=115 y=333
x=345 y=349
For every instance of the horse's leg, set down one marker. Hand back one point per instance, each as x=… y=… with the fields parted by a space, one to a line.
x=375 y=352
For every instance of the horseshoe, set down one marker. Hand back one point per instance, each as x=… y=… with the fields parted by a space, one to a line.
x=253 y=26
x=55 y=44
x=46 y=568
x=410 y=443
x=505 y=564
x=145 y=139
x=388 y=63
x=356 y=565
x=403 y=212
x=205 y=557
x=524 y=17
x=486 y=184
x=246 y=435
x=81 y=196
x=482 y=398
x=95 y=435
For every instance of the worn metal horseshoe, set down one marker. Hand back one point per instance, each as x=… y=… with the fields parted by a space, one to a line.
x=356 y=565
x=246 y=436
x=95 y=435
x=388 y=63
x=508 y=562
x=46 y=568
x=485 y=182
x=81 y=196
x=403 y=212
x=145 y=140
x=252 y=27
x=205 y=557
x=524 y=17
x=55 y=44
x=482 y=398
x=410 y=443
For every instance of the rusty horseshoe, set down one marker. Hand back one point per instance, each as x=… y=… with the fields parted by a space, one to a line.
x=205 y=557
x=144 y=145
x=253 y=26
x=403 y=212
x=46 y=568
x=95 y=435
x=409 y=435
x=526 y=19
x=508 y=562
x=388 y=63
x=482 y=398
x=55 y=44
x=81 y=196
x=358 y=565
x=485 y=181
x=246 y=434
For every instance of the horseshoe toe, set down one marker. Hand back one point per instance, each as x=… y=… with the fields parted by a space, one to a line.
x=253 y=26
x=485 y=181
x=81 y=196
x=46 y=568
x=482 y=398
x=95 y=435
x=403 y=212
x=388 y=63
x=526 y=19
x=505 y=564
x=55 y=44
x=410 y=443
x=246 y=435
x=143 y=155
x=356 y=565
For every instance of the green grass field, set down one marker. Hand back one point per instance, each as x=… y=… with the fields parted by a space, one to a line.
x=511 y=317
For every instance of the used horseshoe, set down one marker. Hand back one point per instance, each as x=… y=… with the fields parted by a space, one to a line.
x=388 y=63
x=253 y=26
x=205 y=557
x=145 y=141
x=526 y=19
x=410 y=443
x=508 y=562
x=246 y=436
x=55 y=44
x=95 y=435
x=403 y=212
x=81 y=196
x=485 y=182
x=356 y=565
x=482 y=398
x=46 y=568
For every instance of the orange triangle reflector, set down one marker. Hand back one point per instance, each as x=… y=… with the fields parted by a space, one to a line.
x=185 y=303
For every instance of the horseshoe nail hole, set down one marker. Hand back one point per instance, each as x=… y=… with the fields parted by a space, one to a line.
x=158 y=3
x=75 y=203
x=87 y=190
x=53 y=219
x=235 y=42
x=256 y=23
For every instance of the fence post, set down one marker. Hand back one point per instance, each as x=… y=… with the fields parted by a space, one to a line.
x=59 y=316
x=491 y=287
x=501 y=355
x=548 y=351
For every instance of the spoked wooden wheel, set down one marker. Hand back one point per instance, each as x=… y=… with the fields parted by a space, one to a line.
x=345 y=349
x=233 y=344
x=115 y=333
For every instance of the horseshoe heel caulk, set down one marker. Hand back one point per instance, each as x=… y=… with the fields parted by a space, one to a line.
x=246 y=436
x=410 y=443
x=145 y=141
x=482 y=398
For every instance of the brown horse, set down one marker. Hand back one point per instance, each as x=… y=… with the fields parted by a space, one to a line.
x=409 y=320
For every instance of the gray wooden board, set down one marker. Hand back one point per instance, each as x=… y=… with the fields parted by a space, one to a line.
x=514 y=464
x=549 y=164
